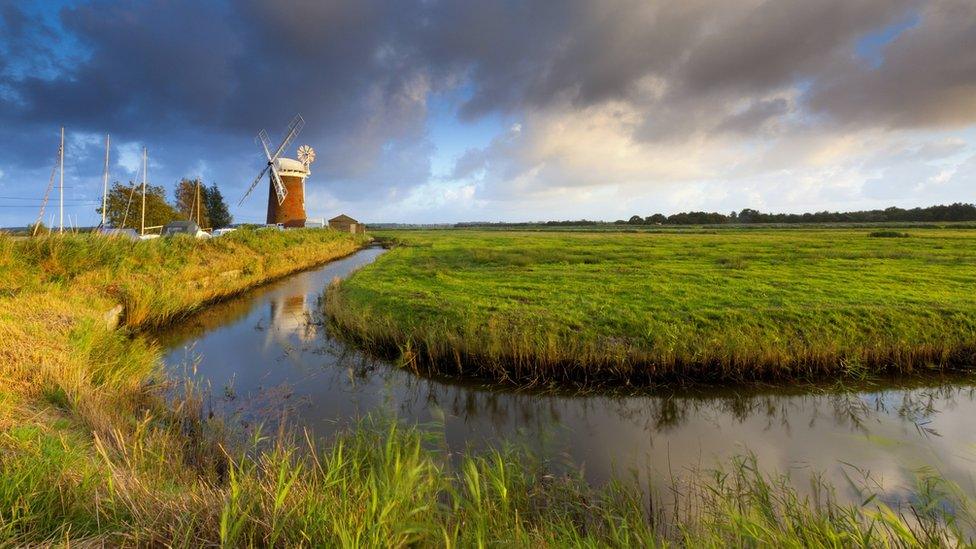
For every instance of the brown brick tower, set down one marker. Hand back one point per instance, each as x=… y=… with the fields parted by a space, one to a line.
x=291 y=212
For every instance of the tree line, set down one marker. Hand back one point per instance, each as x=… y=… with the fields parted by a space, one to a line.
x=951 y=212
x=192 y=200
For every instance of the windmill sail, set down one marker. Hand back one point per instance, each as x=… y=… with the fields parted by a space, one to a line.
x=294 y=128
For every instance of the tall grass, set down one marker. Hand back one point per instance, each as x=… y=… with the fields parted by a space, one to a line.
x=91 y=454
x=742 y=305
x=68 y=377
x=381 y=485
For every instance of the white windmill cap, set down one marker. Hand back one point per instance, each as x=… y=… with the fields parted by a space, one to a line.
x=290 y=166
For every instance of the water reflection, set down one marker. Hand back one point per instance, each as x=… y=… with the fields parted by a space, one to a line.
x=268 y=353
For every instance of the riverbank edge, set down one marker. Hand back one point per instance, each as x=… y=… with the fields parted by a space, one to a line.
x=146 y=327
x=82 y=375
x=413 y=351
x=511 y=358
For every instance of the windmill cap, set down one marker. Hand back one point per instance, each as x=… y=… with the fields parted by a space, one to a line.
x=290 y=166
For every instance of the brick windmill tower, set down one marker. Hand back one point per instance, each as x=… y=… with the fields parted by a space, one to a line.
x=286 y=182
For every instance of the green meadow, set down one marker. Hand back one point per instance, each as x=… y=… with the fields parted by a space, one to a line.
x=529 y=307
x=100 y=446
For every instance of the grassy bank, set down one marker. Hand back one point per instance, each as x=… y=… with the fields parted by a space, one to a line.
x=91 y=453
x=537 y=307
x=68 y=377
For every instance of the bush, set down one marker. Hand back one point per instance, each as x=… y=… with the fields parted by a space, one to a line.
x=888 y=234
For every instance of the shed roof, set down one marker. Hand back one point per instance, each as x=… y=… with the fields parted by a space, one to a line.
x=344 y=218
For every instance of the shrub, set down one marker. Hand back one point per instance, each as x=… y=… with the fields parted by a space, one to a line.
x=888 y=234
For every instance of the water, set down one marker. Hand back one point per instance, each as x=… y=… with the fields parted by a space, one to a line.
x=267 y=354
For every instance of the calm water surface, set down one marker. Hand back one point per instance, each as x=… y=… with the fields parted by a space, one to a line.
x=268 y=353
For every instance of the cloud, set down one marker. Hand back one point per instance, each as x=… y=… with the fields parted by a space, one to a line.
x=953 y=183
x=927 y=76
x=614 y=99
x=755 y=116
x=756 y=47
x=129 y=158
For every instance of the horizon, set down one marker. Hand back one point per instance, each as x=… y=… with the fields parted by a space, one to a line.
x=569 y=222
x=442 y=113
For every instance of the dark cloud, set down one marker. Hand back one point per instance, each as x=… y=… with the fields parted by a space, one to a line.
x=773 y=43
x=194 y=77
x=147 y=64
x=470 y=163
x=198 y=79
x=927 y=77
x=533 y=54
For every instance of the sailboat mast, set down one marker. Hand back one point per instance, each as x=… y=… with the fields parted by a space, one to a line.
x=198 y=202
x=61 y=185
x=108 y=141
x=142 y=230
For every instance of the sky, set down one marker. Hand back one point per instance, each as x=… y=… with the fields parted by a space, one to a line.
x=429 y=111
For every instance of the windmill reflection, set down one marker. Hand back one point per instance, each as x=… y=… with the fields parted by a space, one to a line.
x=291 y=316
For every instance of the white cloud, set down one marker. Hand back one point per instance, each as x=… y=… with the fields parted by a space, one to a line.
x=129 y=157
x=201 y=169
x=570 y=163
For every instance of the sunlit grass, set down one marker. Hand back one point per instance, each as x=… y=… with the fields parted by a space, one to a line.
x=90 y=454
x=590 y=307
x=67 y=375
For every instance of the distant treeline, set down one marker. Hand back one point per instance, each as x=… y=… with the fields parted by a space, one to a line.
x=952 y=212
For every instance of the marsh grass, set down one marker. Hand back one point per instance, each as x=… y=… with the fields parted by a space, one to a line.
x=69 y=378
x=92 y=454
x=382 y=485
x=587 y=308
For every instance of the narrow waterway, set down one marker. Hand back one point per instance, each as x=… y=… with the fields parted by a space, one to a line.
x=268 y=353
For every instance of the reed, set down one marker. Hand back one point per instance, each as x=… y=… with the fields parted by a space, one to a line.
x=637 y=308
x=382 y=485
x=91 y=453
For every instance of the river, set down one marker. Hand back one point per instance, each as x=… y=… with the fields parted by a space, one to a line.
x=267 y=354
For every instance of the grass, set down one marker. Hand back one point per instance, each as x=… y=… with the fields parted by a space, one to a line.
x=733 y=305
x=92 y=454
x=68 y=377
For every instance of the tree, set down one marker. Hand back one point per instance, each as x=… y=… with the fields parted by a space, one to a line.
x=748 y=215
x=190 y=202
x=123 y=206
x=636 y=220
x=215 y=206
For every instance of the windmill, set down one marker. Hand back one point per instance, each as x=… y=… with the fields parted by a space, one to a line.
x=286 y=191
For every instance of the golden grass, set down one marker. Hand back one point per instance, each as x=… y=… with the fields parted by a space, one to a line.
x=67 y=372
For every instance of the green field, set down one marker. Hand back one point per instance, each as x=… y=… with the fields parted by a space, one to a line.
x=640 y=307
x=96 y=448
